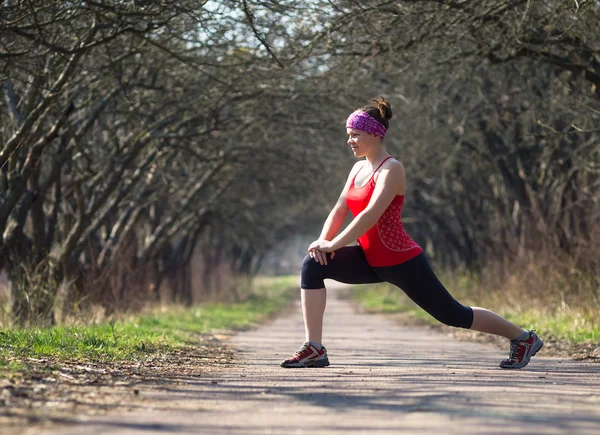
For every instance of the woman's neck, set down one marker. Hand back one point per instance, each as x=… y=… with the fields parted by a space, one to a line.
x=377 y=157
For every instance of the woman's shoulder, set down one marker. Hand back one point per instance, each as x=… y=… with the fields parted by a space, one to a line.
x=357 y=167
x=393 y=164
x=393 y=169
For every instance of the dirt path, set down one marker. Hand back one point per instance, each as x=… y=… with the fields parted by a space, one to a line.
x=384 y=378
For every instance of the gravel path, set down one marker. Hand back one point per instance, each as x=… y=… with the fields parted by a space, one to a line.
x=384 y=379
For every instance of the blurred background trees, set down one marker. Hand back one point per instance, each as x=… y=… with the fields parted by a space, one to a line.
x=169 y=150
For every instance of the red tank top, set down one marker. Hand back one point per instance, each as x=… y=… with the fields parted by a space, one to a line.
x=386 y=243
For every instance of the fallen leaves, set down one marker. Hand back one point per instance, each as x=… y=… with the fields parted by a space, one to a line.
x=50 y=389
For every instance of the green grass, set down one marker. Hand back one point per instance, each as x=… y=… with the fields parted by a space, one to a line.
x=11 y=365
x=158 y=330
x=576 y=324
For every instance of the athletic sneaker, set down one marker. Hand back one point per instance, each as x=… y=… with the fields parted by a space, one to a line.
x=522 y=351
x=307 y=356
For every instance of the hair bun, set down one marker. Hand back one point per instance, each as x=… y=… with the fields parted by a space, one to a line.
x=384 y=107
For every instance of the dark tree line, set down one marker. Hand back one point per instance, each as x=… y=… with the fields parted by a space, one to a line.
x=144 y=141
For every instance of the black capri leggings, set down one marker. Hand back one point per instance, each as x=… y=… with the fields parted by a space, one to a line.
x=414 y=277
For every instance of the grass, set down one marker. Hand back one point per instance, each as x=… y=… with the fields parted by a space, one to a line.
x=136 y=336
x=575 y=323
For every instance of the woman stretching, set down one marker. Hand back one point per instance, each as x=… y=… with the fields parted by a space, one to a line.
x=374 y=193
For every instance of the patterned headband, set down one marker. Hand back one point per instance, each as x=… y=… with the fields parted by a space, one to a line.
x=363 y=121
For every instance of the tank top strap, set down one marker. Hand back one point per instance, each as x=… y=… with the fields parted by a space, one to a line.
x=372 y=173
x=354 y=179
x=380 y=165
x=386 y=159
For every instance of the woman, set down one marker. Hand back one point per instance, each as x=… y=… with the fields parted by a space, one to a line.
x=374 y=193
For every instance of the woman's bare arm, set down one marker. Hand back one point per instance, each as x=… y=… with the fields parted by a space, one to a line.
x=338 y=214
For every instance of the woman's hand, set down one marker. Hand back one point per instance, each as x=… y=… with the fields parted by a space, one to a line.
x=319 y=249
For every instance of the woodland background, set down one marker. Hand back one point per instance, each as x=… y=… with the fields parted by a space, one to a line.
x=156 y=151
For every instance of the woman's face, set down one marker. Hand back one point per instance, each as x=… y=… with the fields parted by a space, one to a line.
x=361 y=142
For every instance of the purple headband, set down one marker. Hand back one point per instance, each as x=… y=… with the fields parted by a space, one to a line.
x=363 y=121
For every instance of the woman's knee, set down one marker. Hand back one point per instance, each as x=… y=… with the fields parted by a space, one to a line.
x=312 y=274
x=459 y=316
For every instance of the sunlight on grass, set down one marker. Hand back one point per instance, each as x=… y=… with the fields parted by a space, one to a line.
x=157 y=330
x=575 y=324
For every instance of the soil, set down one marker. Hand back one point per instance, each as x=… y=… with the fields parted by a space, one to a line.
x=387 y=375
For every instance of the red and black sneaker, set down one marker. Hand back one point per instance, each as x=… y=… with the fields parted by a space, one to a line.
x=307 y=356
x=522 y=351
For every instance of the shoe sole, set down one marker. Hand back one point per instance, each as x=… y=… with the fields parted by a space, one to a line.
x=525 y=362
x=301 y=365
